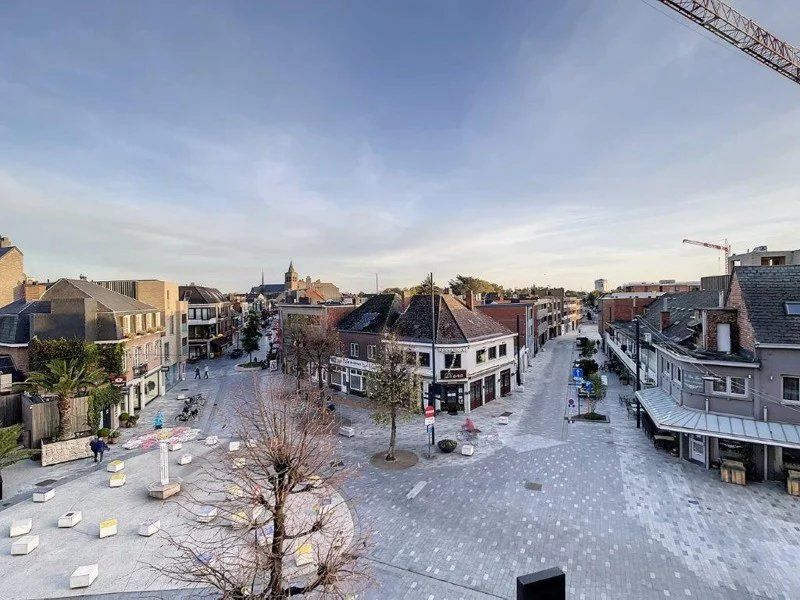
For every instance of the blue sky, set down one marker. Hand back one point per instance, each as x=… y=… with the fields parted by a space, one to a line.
x=524 y=142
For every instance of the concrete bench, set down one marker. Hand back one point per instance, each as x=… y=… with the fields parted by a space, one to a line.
x=503 y=420
x=25 y=545
x=239 y=462
x=70 y=519
x=117 y=480
x=467 y=449
x=184 y=459
x=83 y=576
x=173 y=446
x=108 y=528
x=347 y=431
x=20 y=527
x=44 y=494
x=149 y=527
x=115 y=465
x=234 y=446
x=304 y=555
x=206 y=514
x=212 y=440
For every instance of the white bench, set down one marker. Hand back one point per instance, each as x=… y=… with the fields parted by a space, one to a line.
x=44 y=494
x=347 y=431
x=304 y=555
x=108 y=528
x=239 y=462
x=25 y=545
x=503 y=420
x=234 y=446
x=173 y=446
x=115 y=465
x=83 y=576
x=150 y=527
x=212 y=440
x=20 y=527
x=117 y=480
x=70 y=519
x=467 y=449
x=184 y=459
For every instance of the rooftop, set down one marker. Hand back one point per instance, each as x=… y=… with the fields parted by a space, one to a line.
x=15 y=320
x=374 y=315
x=765 y=292
x=106 y=299
x=199 y=294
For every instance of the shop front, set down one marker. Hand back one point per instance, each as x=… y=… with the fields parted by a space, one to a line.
x=350 y=376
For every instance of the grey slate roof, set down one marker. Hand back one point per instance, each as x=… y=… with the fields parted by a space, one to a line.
x=7 y=249
x=198 y=294
x=765 y=290
x=456 y=324
x=106 y=299
x=681 y=306
x=374 y=316
x=668 y=415
x=15 y=320
x=268 y=289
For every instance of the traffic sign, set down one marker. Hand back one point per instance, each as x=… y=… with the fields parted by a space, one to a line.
x=429 y=420
x=429 y=415
x=577 y=373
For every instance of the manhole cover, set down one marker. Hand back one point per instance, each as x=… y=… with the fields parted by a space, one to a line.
x=508 y=413
x=45 y=483
x=533 y=486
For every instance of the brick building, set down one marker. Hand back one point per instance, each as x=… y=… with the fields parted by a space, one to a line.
x=518 y=316
x=12 y=275
x=663 y=285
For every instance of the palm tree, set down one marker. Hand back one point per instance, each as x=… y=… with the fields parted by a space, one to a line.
x=10 y=450
x=64 y=379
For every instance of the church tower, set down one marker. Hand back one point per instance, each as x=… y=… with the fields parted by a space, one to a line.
x=290 y=278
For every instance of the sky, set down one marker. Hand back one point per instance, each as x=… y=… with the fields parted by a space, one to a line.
x=540 y=142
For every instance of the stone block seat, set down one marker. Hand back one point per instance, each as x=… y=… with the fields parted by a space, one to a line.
x=43 y=494
x=206 y=514
x=174 y=446
x=234 y=446
x=117 y=480
x=70 y=519
x=20 y=527
x=149 y=527
x=212 y=440
x=503 y=420
x=347 y=431
x=467 y=449
x=108 y=528
x=83 y=576
x=115 y=465
x=25 y=545
x=304 y=556
x=184 y=459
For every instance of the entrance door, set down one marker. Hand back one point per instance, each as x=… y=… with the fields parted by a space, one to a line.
x=489 y=386
x=505 y=382
x=475 y=394
x=698 y=448
x=453 y=398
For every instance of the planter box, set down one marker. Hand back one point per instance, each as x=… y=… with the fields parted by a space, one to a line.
x=175 y=446
x=54 y=453
x=212 y=440
x=503 y=420
x=233 y=446
x=117 y=480
x=43 y=494
x=115 y=465
x=733 y=471
x=793 y=483
x=108 y=528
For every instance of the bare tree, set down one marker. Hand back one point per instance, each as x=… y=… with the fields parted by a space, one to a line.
x=394 y=386
x=296 y=332
x=277 y=523
x=321 y=342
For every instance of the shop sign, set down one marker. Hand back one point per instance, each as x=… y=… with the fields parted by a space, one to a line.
x=450 y=374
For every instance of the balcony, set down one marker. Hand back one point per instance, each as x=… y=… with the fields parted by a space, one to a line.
x=210 y=321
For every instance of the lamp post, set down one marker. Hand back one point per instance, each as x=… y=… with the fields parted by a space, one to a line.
x=638 y=380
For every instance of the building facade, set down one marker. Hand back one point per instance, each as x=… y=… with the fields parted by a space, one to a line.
x=663 y=285
x=12 y=276
x=600 y=285
x=761 y=256
x=518 y=316
x=209 y=321
x=165 y=296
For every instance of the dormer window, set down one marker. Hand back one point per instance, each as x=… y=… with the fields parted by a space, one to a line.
x=793 y=308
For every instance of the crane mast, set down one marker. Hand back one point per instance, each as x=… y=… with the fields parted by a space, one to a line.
x=724 y=248
x=732 y=26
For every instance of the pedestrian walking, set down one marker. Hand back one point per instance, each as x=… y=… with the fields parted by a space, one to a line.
x=197 y=372
x=158 y=423
x=205 y=372
x=98 y=447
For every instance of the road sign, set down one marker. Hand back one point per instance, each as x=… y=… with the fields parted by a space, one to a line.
x=429 y=415
x=577 y=373
x=429 y=420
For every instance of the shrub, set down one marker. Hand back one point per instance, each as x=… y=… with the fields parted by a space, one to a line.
x=589 y=367
x=103 y=432
x=447 y=446
x=124 y=417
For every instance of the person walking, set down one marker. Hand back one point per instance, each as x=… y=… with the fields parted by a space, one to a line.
x=205 y=372
x=98 y=447
x=197 y=372
x=158 y=422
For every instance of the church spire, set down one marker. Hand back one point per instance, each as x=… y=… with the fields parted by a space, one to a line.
x=262 y=278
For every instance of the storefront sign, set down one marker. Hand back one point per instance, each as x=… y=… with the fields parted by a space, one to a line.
x=349 y=362
x=450 y=374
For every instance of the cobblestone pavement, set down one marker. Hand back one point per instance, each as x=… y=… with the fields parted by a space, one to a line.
x=624 y=520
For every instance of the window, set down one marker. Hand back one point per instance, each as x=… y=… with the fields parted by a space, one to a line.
x=148 y=321
x=793 y=308
x=166 y=357
x=452 y=361
x=720 y=386
x=126 y=325
x=503 y=350
x=738 y=386
x=171 y=324
x=371 y=352
x=480 y=356
x=354 y=349
x=138 y=320
x=730 y=386
x=676 y=373
x=411 y=358
x=791 y=388
x=492 y=352
x=157 y=319
x=424 y=359
x=356 y=380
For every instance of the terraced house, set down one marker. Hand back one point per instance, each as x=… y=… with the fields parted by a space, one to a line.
x=732 y=390
x=210 y=321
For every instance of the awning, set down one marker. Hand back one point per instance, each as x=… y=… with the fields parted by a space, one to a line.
x=668 y=415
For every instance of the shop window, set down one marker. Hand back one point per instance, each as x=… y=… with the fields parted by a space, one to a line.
x=492 y=352
x=791 y=388
x=452 y=361
x=357 y=380
x=503 y=349
x=480 y=356
x=424 y=359
x=354 y=350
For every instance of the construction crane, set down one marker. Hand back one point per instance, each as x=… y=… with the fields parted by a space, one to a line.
x=720 y=19
x=724 y=248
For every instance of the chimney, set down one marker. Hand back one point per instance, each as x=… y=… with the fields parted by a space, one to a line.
x=34 y=291
x=470 y=300
x=666 y=319
x=5 y=242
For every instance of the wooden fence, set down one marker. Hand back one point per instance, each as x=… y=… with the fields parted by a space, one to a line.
x=10 y=409
x=41 y=418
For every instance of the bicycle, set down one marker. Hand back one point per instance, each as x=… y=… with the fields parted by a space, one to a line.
x=187 y=415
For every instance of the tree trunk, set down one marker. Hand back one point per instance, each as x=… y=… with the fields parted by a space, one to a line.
x=64 y=406
x=1 y=485
x=393 y=437
x=278 y=539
